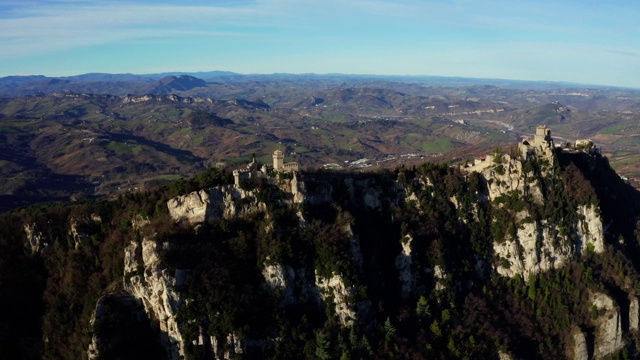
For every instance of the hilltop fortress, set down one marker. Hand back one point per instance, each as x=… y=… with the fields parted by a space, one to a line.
x=253 y=170
x=541 y=145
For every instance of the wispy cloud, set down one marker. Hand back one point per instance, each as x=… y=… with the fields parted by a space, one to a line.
x=62 y=25
x=625 y=53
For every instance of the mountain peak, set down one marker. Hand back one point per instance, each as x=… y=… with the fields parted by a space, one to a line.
x=180 y=83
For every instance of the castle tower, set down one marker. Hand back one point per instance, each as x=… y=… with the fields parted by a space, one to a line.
x=278 y=160
x=543 y=136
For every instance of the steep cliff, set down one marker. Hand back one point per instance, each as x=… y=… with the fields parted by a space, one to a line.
x=608 y=335
x=229 y=201
x=537 y=238
x=150 y=281
x=513 y=260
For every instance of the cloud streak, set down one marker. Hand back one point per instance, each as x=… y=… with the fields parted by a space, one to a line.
x=34 y=27
x=64 y=25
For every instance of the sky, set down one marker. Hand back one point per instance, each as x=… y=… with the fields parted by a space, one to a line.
x=581 y=41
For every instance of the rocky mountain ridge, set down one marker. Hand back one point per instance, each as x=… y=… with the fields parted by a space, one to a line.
x=510 y=257
x=197 y=208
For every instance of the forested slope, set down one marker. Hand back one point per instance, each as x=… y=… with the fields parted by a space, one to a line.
x=531 y=257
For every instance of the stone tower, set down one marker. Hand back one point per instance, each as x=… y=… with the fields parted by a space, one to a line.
x=278 y=160
x=543 y=136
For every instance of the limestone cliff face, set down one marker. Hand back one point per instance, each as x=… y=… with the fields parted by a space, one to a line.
x=589 y=230
x=608 y=334
x=104 y=311
x=79 y=237
x=294 y=187
x=192 y=207
x=403 y=264
x=220 y=202
x=151 y=282
x=35 y=242
x=335 y=293
x=94 y=347
x=536 y=245
x=531 y=251
x=280 y=278
x=504 y=177
x=229 y=202
x=292 y=284
x=634 y=313
x=579 y=350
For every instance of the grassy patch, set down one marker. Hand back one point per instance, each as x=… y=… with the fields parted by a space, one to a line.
x=119 y=148
x=170 y=177
x=172 y=112
x=337 y=117
x=424 y=122
x=437 y=145
x=413 y=137
x=349 y=133
x=630 y=141
x=11 y=130
x=627 y=160
x=612 y=129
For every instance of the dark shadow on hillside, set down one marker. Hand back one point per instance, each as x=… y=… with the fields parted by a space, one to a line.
x=183 y=156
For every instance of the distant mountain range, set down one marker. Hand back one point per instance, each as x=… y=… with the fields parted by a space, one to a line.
x=163 y=83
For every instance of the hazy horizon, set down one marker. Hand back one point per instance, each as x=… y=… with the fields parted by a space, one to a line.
x=583 y=42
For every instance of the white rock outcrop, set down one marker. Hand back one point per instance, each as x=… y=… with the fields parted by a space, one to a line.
x=537 y=245
x=503 y=355
x=634 y=313
x=531 y=251
x=36 y=242
x=281 y=278
x=155 y=289
x=193 y=207
x=294 y=187
x=403 y=264
x=228 y=348
x=579 y=350
x=335 y=290
x=608 y=333
x=229 y=201
x=589 y=229
x=79 y=237
x=226 y=202
x=440 y=277
x=510 y=178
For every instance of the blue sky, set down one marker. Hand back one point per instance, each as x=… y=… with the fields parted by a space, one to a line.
x=587 y=41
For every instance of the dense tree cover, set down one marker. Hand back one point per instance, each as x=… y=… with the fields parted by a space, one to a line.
x=457 y=307
x=22 y=280
x=48 y=298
